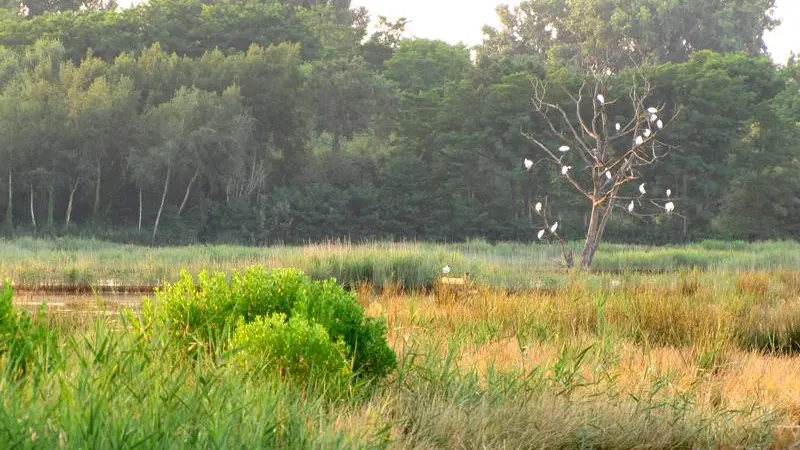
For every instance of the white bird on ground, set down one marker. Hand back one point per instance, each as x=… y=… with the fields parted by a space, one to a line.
x=538 y=207
x=608 y=174
x=601 y=99
x=446 y=269
x=669 y=207
x=563 y=148
x=660 y=124
x=618 y=126
x=652 y=110
x=554 y=227
x=630 y=206
x=639 y=140
x=647 y=132
x=669 y=193
x=540 y=234
x=528 y=164
x=641 y=188
x=565 y=169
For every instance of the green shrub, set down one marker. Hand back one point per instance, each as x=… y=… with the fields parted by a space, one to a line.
x=23 y=342
x=200 y=313
x=296 y=348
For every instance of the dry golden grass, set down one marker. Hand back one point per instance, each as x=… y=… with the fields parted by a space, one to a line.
x=690 y=342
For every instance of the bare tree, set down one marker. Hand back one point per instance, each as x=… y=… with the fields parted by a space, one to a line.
x=607 y=155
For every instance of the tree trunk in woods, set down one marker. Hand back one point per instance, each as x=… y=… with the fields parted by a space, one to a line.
x=33 y=213
x=336 y=146
x=140 y=210
x=50 y=206
x=188 y=189
x=9 y=220
x=69 y=204
x=163 y=199
x=96 y=209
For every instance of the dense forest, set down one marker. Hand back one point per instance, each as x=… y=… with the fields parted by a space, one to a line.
x=264 y=121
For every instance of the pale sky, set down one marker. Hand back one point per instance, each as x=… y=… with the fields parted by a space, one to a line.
x=432 y=19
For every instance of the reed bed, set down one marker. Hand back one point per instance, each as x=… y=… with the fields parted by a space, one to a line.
x=413 y=266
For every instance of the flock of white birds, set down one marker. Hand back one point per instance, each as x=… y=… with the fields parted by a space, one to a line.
x=639 y=140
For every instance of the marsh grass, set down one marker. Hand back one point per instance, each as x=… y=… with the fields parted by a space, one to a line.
x=413 y=266
x=695 y=359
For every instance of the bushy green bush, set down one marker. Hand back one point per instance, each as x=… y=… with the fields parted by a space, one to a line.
x=201 y=311
x=294 y=347
x=23 y=342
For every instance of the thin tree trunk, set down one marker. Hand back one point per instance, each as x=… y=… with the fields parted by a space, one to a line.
x=140 y=210
x=97 y=194
x=9 y=220
x=50 y=206
x=337 y=143
x=188 y=189
x=69 y=204
x=163 y=199
x=33 y=213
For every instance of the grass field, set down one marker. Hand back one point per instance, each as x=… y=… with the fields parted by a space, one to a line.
x=685 y=359
x=411 y=265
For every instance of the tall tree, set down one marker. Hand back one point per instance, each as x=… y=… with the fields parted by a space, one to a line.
x=619 y=33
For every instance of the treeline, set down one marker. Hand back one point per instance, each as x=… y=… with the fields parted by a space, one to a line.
x=284 y=121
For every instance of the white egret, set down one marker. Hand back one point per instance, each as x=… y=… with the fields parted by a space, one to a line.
x=608 y=174
x=660 y=124
x=669 y=207
x=540 y=235
x=538 y=207
x=630 y=206
x=647 y=132
x=565 y=169
x=641 y=188
x=528 y=164
x=601 y=99
x=554 y=227
x=669 y=193
x=446 y=269
x=653 y=118
x=639 y=140
x=618 y=126
x=652 y=110
x=608 y=71
x=563 y=148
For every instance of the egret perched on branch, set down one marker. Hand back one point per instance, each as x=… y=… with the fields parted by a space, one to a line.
x=446 y=269
x=652 y=110
x=669 y=207
x=563 y=148
x=601 y=99
x=618 y=126
x=639 y=140
x=630 y=206
x=660 y=124
x=540 y=234
x=641 y=189
x=538 y=207
x=554 y=227
x=528 y=164
x=565 y=169
x=647 y=132
x=608 y=174
x=669 y=193
x=653 y=118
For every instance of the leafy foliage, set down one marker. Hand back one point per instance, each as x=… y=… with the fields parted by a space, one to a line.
x=203 y=314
